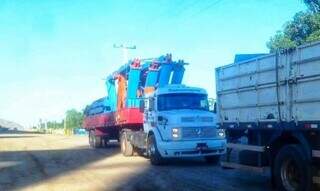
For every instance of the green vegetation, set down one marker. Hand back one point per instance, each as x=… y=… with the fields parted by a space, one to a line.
x=73 y=119
x=303 y=28
x=55 y=125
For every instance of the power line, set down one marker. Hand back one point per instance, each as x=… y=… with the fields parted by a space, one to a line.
x=178 y=10
x=206 y=8
x=186 y=7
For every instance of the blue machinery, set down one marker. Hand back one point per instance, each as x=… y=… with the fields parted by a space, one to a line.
x=142 y=77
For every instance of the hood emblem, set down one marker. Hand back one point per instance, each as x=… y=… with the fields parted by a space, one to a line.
x=199 y=132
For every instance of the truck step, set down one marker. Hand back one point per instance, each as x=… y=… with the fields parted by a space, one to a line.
x=246 y=147
x=245 y=167
x=316 y=153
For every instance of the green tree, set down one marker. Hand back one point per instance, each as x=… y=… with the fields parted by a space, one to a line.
x=304 y=27
x=55 y=125
x=313 y=5
x=73 y=119
x=280 y=41
x=315 y=36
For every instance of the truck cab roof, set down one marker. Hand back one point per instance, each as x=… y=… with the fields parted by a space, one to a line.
x=179 y=88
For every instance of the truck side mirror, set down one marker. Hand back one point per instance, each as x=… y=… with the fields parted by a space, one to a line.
x=215 y=107
x=212 y=105
x=141 y=105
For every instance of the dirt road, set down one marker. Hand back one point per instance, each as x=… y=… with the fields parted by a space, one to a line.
x=50 y=162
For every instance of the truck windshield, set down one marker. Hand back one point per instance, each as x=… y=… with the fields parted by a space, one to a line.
x=183 y=101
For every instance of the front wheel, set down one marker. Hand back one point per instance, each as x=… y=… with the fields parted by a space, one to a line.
x=126 y=146
x=152 y=150
x=292 y=170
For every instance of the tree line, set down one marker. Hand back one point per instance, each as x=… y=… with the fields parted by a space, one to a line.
x=73 y=119
x=303 y=28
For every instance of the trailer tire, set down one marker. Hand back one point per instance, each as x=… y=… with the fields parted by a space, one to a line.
x=105 y=142
x=94 y=141
x=126 y=146
x=292 y=170
x=215 y=159
x=153 y=153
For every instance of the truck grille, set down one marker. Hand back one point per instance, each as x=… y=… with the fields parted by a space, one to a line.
x=187 y=119
x=196 y=119
x=198 y=132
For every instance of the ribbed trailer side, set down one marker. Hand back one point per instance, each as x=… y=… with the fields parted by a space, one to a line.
x=275 y=88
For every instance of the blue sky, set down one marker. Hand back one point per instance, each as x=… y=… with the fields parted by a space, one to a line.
x=54 y=54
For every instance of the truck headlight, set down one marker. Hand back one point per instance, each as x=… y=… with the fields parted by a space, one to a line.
x=221 y=133
x=175 y=133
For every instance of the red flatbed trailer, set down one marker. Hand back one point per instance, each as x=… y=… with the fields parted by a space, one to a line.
x=105 y=126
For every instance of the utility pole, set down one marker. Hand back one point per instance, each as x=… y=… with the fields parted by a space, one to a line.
x=124 y=50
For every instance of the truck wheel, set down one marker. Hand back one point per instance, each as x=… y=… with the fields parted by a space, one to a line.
x=153 y=153
x=292 y=170
x=94 y=141
x=212 y=159
x=105 y=142
x=90 y=139
x=126 y=146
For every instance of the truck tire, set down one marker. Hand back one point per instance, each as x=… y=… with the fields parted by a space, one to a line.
x=153 y=153
x=215 y=159
x=94 y=141
x=126 y=146
x=105 y=142
x=292 y=170
x=91 y=134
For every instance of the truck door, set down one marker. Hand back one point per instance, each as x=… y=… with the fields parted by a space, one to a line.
x=149 y=114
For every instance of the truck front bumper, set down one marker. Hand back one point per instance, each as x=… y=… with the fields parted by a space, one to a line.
x=194 y=148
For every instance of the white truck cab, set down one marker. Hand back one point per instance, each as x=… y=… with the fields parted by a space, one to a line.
x=178 y=123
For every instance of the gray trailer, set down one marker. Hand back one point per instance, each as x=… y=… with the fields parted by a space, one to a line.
x=270 y=109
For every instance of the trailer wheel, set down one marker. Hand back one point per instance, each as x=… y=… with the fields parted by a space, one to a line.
x=215 y=159
x=91 y=138
x=292 y=169
x=153 y=153
x=126 y=146
x=105 y=142
x=94 y=141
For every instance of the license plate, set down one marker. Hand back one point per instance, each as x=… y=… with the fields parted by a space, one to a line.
x=202 y=146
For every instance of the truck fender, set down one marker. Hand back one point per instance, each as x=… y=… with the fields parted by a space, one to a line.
x=304 y=144
x=297 y=136
x=156 y=133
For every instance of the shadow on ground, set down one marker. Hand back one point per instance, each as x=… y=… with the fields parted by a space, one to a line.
x=30 y=167
x=14 y=137
x=194 y=175
x=7 y=131
x=19 y=169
